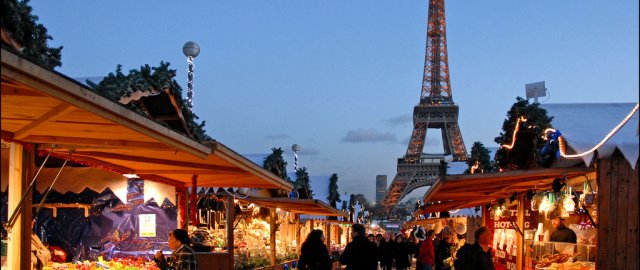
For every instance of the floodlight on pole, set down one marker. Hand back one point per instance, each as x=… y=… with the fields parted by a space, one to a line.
x=535 y=90
x=295 y=149
x=190 y=49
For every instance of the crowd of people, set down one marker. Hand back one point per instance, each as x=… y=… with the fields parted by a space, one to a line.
x=376 y=252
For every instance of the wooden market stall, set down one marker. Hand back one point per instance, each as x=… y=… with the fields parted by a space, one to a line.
x=46 y=112
x=286 y=233
x=470 y=190
x=592 y=184
x=338 y=233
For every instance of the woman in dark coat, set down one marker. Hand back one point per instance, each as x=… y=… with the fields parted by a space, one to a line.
x=402 y=253
x=314 y=254
x=389 y=253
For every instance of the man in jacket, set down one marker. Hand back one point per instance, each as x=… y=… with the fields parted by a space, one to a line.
x=360 y=254
x=479 y=255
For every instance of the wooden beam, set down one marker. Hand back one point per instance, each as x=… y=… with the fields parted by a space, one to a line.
x=166 y=117
x=158 y=161
x=175 y=104
x=94 y=163
x=73 y=142
x=190 y=172
x=51 y=115
x=161 y=179
x=18 y=90
x=7 y=135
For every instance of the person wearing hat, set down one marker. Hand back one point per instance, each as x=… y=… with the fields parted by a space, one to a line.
x=562 y=233
x=426 y=253
x=182 y=257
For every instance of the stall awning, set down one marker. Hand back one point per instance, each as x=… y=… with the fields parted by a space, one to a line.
x=296 y=206
x=45 y=107
x=470 y=190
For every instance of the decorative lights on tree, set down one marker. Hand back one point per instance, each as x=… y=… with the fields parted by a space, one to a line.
x=190 y=50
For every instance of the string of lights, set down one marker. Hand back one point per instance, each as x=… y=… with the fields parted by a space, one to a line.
x=563 y=143
x=190 y=82
x=515 y=131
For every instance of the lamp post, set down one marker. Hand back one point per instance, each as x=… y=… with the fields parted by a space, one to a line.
x=190 y=50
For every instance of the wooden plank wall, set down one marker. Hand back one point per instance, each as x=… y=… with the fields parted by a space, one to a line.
x=618 y=239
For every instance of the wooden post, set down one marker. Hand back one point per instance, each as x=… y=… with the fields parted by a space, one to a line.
x=19 y=245
x=193 y=201
x=230 y=219
x=485 y=215
x=328 y=230
x=272 y=234
x=519 y=237
x=298 y=227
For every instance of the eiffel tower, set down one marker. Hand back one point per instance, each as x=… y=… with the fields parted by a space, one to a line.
x=436 y=110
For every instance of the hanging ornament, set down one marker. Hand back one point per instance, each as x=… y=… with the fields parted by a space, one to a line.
x=535 y=202
x=506 y=213
x=568 y=203
x=544 y=205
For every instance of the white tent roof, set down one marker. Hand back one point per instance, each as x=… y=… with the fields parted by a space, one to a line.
x=584 y=125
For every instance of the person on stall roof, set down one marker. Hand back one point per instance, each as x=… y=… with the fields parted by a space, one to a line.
x=562 y=233
x=182 y=257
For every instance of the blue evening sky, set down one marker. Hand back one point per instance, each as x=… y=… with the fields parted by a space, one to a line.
x=340 y=78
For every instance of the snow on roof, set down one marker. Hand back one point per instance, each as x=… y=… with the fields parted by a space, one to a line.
x=584 y=125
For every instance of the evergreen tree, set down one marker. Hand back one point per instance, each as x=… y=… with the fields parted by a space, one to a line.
x=480 y=155
x=31 y=36
x=344 y=206
x=275 y=164
x=302 y=184
x=149 y=80
x=537 y=122
x=334 y=195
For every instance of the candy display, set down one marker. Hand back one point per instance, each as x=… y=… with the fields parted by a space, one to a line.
x=117 y=264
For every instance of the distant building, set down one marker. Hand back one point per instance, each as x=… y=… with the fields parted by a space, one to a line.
x=381 y=188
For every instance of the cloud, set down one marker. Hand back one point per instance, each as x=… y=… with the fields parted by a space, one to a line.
x=399 y=120
x=307 y=151
x=368 y=135
x=276 y=136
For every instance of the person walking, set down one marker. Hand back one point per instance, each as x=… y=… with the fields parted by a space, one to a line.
x=360 y=254
x=314 y=254
x=182 y=257
x=480 y=255
x=381 y=245
x=426 y=253
x=389 y=253
x=402 y=253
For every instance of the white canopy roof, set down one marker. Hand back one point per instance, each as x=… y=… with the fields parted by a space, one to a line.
x=584 y=125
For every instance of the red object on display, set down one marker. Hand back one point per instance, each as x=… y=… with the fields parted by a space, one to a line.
x=57 y=254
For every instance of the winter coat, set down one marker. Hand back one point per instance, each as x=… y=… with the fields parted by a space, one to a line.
x=360 y=254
